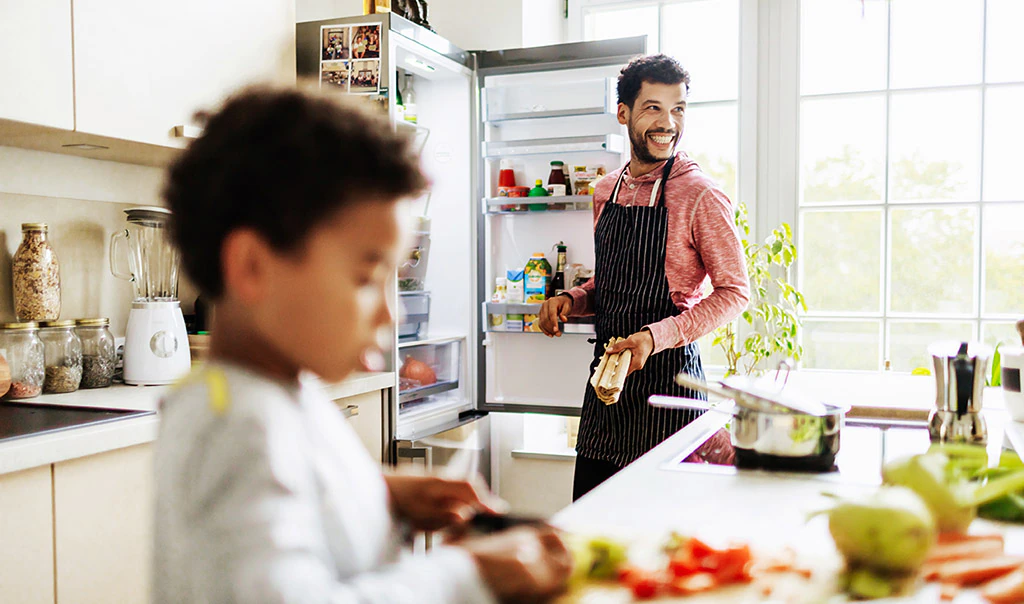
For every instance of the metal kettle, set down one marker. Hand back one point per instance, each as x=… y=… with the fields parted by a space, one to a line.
x=960 y=370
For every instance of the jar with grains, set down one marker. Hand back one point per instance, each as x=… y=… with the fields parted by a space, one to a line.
x=99 y=355
x=36 y=276
x=62 y=352
x=20 y=345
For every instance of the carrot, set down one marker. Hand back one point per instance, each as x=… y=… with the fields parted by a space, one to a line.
x=1008 y=589
x=947 y=538
x=972 y=572
x=948 y=592
x=963 y=550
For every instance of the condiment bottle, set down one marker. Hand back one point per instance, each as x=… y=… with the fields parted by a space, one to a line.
x=538 y=190
x=36 y=276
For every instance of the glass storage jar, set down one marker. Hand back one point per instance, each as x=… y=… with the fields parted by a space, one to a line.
x=20 y=346
x=62 y=352
x=99 y=355
x=36 y=276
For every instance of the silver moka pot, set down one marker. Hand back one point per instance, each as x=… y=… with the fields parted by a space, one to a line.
x=960 y=370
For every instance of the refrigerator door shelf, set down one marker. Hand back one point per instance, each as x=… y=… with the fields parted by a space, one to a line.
x=562 y=203
x=608 y=143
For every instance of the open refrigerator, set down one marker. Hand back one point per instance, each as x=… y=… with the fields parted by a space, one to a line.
x=473 y=110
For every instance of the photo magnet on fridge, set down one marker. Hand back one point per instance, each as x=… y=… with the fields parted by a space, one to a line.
x=366 y=41
x=334 y=43
x=365 y=77
x=334 y=75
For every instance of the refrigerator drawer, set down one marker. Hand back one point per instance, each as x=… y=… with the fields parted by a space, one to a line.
x=415 y=314
x=459 y=449
x=428 y=368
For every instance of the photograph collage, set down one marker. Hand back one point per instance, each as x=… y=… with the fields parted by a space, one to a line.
x=350 y=58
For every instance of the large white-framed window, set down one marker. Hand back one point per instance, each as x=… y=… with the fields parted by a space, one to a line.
x=887 y=133
x=911 y=214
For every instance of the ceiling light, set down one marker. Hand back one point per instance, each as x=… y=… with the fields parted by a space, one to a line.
x=84 y=147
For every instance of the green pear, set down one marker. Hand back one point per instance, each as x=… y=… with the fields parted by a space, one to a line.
x=890 y=530
x=926 y=476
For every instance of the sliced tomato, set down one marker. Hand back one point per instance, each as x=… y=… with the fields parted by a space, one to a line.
x=683 y=565
x=733 y=564
x=628 y=575
x=645 y=588
x=699 y=549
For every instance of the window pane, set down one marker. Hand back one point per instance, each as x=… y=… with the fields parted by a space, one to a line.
x=706 y=40
x=842 y=47
x=1003 y=243
x=936 y=42
x=1004 y=154
x=841 y=344
x=841 y=268
x=710 y=136
x=604 y=24
x=1005 y=44
x=994 y=332
x=842 y=149
x=935 y=151
x=932 y=260
x=909 y=340
x=711 y=356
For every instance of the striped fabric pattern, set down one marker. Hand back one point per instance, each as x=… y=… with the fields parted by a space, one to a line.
x=631 y=291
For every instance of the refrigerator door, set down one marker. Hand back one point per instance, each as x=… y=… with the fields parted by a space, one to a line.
x=457 y=450
x=538 y=106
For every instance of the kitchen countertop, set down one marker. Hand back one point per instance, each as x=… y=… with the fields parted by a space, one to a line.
x=768 y=510
x=72 y=443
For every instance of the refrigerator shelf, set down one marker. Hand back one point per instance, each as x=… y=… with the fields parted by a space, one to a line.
x=536 y=115
x=591 y=96
x=569 y=329
x=512 y=308
x=414 y=394
x=607 y=143
x=570 y=203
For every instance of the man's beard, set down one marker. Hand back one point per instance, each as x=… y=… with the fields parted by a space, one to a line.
x=638 y=140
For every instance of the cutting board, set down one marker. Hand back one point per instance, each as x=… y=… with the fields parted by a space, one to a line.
x=789 y=588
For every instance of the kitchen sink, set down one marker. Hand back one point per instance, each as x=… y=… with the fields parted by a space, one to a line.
x=21 y=420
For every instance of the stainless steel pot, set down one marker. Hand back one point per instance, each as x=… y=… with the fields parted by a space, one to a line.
x=769 y=433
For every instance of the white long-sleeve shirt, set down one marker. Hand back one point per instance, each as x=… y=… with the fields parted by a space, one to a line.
x=265 y=494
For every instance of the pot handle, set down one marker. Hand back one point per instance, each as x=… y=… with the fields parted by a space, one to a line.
x=677 y=402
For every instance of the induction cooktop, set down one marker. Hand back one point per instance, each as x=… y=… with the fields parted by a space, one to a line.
x=20 y=420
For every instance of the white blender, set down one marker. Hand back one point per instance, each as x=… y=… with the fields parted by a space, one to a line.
x=156 y=343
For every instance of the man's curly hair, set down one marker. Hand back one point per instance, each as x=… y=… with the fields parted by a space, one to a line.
x=660 y=69
x=280 y=161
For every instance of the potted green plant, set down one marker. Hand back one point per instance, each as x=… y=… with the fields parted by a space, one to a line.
x=771 y=322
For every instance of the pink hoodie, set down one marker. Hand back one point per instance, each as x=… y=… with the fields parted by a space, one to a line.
x=702 y=242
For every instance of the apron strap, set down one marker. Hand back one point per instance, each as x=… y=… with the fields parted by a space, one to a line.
x=655 y=198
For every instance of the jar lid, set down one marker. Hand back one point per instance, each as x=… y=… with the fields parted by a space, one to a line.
x=34 y=226
x=17 y=326
x=92 y=322
x=61 y=323
x=557 y=163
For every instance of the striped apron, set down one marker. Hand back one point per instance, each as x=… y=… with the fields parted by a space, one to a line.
x=631 y=291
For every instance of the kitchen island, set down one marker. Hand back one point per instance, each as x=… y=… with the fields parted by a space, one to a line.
x=658 y=494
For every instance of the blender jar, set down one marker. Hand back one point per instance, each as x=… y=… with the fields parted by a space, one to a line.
x=20 y=346
x=62 y=353
x=152 y=259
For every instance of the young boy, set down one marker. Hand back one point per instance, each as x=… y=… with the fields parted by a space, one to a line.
x=286 y=214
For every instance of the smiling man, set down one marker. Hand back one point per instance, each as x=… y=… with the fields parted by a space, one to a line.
x=661 y=227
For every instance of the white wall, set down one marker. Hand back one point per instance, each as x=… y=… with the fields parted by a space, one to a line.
x=469 y=24
x=538 y=487
x=82 y=200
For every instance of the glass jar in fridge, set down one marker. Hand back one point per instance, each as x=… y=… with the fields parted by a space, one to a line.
x=62 y=354
x=36 y=274
x=20 y=346
x=99 y=354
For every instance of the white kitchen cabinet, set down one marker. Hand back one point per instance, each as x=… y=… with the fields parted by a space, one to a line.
x=26 y=537
x=36 y=83
x=365 y=413
x=142 y=68
x=103 y=526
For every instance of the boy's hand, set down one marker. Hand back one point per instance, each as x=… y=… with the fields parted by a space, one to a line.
x=430 y=503
x=525 y=564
